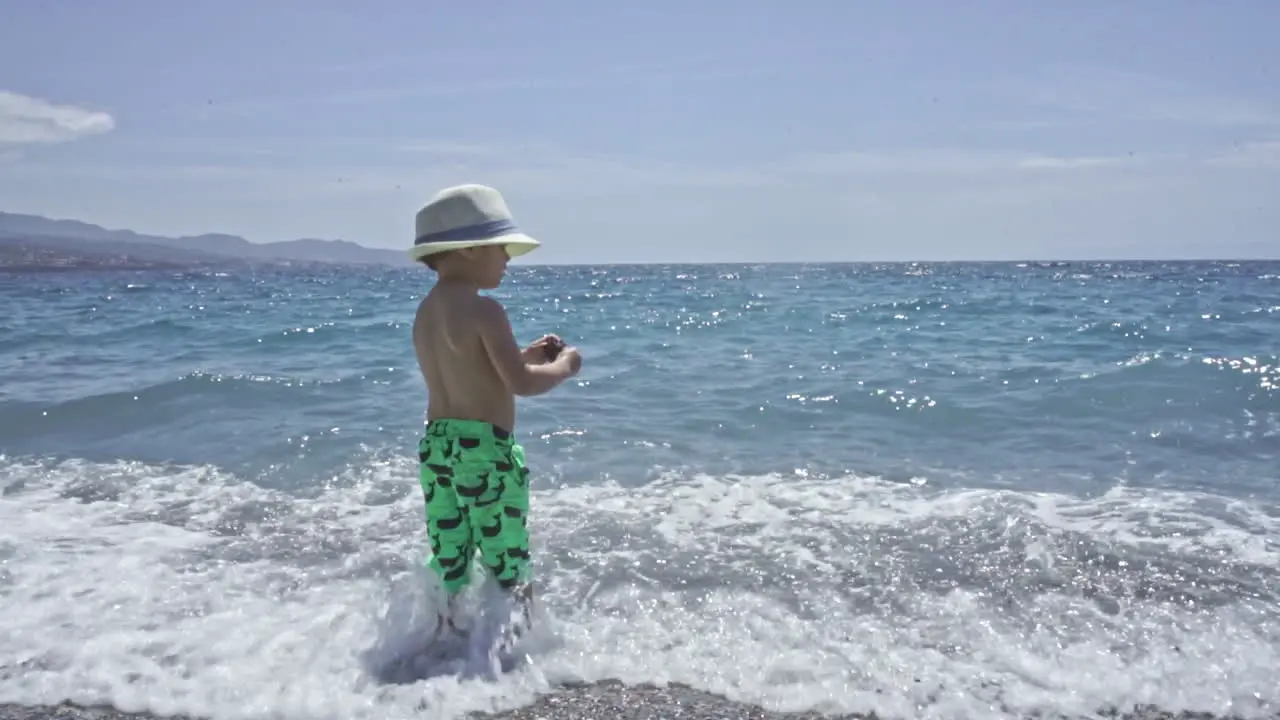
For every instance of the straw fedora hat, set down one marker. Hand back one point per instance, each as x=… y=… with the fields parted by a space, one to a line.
x=466 y=216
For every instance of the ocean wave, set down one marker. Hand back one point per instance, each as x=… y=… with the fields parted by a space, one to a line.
x=188 y=589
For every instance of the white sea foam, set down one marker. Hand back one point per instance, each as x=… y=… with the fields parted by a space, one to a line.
x=189 y=590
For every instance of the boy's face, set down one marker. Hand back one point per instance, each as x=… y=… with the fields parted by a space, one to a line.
x=491 y=265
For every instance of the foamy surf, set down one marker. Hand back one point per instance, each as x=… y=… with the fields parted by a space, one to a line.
x=187 y=590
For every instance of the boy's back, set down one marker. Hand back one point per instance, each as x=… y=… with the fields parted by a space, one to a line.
x=461 y=379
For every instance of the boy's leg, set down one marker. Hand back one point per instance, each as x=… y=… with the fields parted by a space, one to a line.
x=448 y=527
x=496 y=492
x=500 y=519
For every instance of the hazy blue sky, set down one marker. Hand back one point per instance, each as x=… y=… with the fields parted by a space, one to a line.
x=643 y=131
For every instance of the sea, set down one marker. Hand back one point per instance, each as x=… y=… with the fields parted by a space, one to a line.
x=927 y=490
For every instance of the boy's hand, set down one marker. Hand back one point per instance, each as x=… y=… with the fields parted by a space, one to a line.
x=553 y=348
x=542 y=350
x=571 y=355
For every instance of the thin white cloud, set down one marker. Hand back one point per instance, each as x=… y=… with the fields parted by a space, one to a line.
x=559 y=165
x=1263 y=155
x=1070 y=163
x=943 y=163
x=409 y=85
x=545 y=166
x=451 y=148
x=25 y=119
x=404 y=171
x=1124 y=95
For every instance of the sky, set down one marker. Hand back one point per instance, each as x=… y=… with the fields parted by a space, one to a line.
x=751 y=131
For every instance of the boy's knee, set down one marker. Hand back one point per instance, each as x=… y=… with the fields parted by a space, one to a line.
x=451 y=543
x=451 y=549
x=507 y=559
x=453 y=570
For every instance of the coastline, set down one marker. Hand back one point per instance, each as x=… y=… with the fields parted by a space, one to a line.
x=617 y=701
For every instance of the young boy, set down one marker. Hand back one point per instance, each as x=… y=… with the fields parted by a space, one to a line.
x=472 y=471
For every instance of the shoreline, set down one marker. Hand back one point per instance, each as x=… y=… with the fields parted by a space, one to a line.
x=617 y=701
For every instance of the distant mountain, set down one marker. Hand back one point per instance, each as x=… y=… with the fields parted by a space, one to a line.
x=35 y=242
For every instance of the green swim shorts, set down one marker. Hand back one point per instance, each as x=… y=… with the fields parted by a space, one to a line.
x=476 y=487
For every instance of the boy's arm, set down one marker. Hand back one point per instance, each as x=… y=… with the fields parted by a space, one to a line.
x=520 y=377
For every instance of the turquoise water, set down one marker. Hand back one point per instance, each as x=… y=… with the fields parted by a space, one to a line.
x=922 y=489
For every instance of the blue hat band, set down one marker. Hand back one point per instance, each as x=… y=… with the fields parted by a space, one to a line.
x=479 y=231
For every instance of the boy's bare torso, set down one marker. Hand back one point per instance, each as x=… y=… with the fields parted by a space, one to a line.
x=461 y=380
